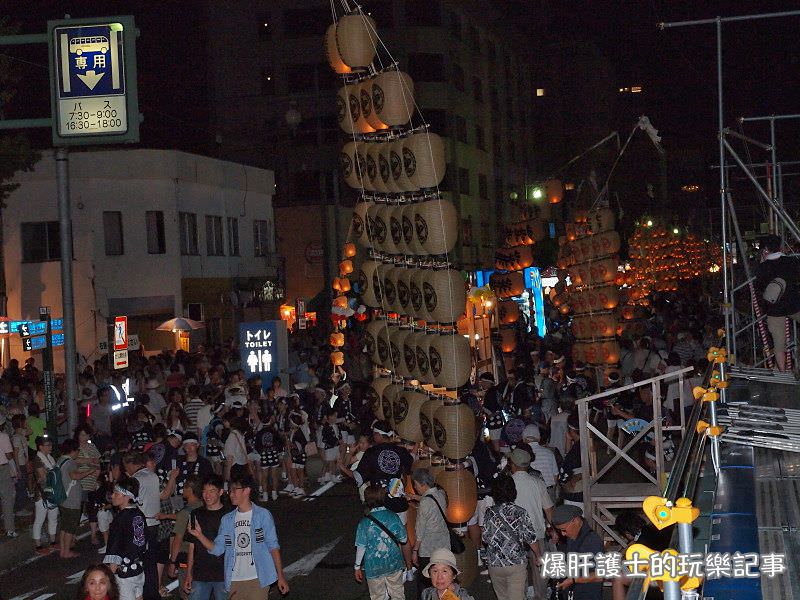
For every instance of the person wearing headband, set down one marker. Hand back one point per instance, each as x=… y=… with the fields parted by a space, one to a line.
x=126 y=540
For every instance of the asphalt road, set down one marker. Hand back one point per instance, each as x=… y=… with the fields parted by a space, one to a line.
x=317 y=546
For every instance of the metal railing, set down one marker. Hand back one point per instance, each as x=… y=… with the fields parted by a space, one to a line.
x=588 y=431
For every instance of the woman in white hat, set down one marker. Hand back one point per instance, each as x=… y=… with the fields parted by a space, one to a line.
x=443 y=571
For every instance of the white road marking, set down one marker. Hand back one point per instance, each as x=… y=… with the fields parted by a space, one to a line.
x=75 y=577
x=309 y=562
x=312 y=496
x=36 y=557
x=44 y=597
x=27 y=594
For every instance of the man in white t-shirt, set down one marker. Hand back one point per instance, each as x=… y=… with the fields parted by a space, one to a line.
x=533 y=497
x=544 y=461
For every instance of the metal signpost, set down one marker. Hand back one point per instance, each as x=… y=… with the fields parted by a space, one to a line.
x=94 y=100
x=39 y=336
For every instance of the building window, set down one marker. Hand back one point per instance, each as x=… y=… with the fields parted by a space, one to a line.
x=540 y=92
x=40 y=242
x=423 y=13
x=426 y=67
x=233 y=236
x=461 y=129
x=483 y=186
x=261 y=237
x=458 y=77
x=480 y=138
x=112 y=232
x=267 y=82
x=265 y=25
x=188 y=233
x=466 y=231
x=463 y=181
x=486 y=233
x=156 y=240
x=477 y=89
x=214 y=242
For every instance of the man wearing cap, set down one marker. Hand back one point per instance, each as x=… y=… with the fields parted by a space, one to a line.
x=533 y=497
x=492 y=408
x=580 y=539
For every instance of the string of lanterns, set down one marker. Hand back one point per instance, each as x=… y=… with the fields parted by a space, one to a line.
x=411 y=293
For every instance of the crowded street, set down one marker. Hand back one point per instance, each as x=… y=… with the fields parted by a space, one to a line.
x=399 y=300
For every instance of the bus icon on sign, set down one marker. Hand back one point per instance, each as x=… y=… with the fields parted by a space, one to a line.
x=79 y=45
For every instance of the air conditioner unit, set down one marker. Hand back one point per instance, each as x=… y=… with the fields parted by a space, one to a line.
x=194 y=310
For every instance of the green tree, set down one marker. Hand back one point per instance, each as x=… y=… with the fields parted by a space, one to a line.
x=16 y=153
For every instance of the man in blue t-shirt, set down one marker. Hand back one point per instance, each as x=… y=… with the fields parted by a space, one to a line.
x=382 y=550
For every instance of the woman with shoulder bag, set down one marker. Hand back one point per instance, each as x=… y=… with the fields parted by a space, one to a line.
x=431 y=527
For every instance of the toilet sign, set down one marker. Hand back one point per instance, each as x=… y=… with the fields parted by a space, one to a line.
x=263 y=349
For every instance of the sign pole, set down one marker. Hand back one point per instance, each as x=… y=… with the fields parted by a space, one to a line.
x=67 y=296
x=49 y=376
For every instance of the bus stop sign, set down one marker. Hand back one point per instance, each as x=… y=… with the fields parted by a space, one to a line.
x=93 y=80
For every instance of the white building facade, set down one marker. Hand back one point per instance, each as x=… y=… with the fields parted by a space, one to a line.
x=156 y=234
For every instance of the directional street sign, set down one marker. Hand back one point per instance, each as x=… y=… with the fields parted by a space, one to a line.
x=93 y=77
x=36 y=342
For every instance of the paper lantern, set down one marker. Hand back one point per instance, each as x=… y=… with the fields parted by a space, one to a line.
x=404 y=290
x=374 y=395
x=385 y=168
x=355 y=38
x=508 y=339
x=336 y=339
x=462 y=493
x=367 y=109
x=554 y=191
x=390 y=393
x=424 y=159
x=396 y=229
x=508 y=312
x=348 y=109
x=455 y=429
x=389 y=274
x=371 y=338
x=426 y=415
x=436 y=226
x=601 y=220
x=332 y=52
x=449 y=359
x=417 y=296
x=369 y=284
x=383 y=220
x=444 y=294
x=371 y=151
x=346 y=267
x=384 y=347
x=513 y=259
x=413 y=245
x=377 y=227
x=409 y=352
x=349 y=163
x=359 y=223
x=393 y=97
x=337 y=359
x=438 y=464
x=401 y=181
x=423 y=346
x=349 y=250
x=507 y=285
x=405 y=411
x=397 y=339
x=340 y=302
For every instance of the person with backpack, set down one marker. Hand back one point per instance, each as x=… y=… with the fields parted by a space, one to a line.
x=382 y=550
x=69 y=509
x=47 y=476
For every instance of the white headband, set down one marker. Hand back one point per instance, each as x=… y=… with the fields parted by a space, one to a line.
x=121 y=490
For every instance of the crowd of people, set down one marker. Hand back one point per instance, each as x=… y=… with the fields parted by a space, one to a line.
x=169 y=474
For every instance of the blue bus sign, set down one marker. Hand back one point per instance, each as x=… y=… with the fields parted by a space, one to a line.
x=93 y=69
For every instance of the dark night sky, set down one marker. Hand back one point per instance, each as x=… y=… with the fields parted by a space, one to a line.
x=676 y=66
